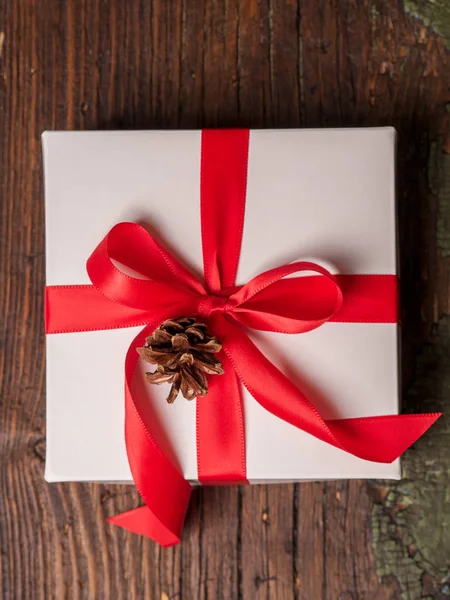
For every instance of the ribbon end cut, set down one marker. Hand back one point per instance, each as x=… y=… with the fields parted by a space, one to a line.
x=385 y=438
x=412 y=429
x=406 y=430
x=142 y=522
x=432 y=417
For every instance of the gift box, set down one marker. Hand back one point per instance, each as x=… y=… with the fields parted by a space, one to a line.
x=310 y=347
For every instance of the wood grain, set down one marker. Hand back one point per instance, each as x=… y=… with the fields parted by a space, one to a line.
x=98 y=64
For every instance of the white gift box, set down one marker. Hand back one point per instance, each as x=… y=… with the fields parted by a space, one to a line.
x=322 y=195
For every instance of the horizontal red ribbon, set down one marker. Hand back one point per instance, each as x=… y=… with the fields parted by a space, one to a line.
x=272 y=301
x=366 y=299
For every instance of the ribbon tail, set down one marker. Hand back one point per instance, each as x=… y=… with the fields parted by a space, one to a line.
x=381 y=439
x=142 y=521
x=378 y=439
x=162 y=487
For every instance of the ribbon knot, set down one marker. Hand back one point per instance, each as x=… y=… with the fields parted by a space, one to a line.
x=213 y=304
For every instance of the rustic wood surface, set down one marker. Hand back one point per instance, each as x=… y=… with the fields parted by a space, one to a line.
x=99 y=64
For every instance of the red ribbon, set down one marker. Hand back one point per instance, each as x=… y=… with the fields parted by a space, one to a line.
x=271 y=301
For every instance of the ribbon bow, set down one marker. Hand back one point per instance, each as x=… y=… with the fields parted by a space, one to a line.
x=272 y=301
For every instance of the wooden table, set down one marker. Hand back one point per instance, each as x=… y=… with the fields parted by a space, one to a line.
x=99 y=64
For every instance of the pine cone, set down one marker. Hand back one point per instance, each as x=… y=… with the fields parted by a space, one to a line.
x=184 y=352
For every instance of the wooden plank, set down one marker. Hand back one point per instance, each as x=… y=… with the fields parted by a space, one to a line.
x=255 y=90
x=285 y=62
x=309 y=537
x=268 y=545
x=220 y=89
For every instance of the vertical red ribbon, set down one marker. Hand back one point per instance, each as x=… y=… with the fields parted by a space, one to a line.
x=220 y=418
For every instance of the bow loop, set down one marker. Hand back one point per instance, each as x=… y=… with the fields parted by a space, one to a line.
x=273 y=301
x=154 y=278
